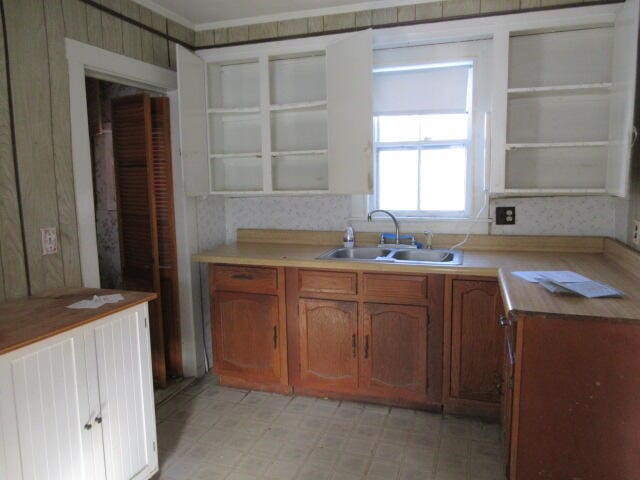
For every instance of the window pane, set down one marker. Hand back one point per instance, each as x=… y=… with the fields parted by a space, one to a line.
x=444 y=127
x=443 y=179
x=397 y=184
x=399 y=128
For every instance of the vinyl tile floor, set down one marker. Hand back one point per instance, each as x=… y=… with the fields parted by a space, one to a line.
x=209 y=432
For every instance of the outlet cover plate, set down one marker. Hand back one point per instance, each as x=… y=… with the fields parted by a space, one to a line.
x=505 y=215
x=49 y=241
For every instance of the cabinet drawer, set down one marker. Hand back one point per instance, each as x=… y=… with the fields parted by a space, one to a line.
x=396 y=287
x=244 y=279
x=317 y=281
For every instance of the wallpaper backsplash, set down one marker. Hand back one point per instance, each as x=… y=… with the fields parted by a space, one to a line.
x=219 y=218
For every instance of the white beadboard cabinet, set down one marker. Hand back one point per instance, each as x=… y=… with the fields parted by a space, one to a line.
x=284 y=117
x=79 y=405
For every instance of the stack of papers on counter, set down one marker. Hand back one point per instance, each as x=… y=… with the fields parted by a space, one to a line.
x=566 y=281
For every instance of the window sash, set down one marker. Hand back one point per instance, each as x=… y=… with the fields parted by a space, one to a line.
x=418 y=147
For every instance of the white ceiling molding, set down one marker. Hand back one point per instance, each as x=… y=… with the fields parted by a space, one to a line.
x=275 y=17
x=165 y=12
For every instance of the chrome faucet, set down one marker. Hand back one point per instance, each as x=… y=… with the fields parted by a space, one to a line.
x=395 y=221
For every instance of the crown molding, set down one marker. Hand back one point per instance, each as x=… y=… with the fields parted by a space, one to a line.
x=165 y=12
x=276 y=17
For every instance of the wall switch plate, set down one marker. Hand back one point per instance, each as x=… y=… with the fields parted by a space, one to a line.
x=636 y=233
x=505 y=215
x=49 y=241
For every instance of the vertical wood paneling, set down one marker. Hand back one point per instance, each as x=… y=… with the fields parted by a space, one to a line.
x=33 y=137
x=13 y=283
x=75 y=19
x=146 y=37
x=160 y=45
x=131 y=35
x=61 y=130
x=112 y=27
x=94 y=26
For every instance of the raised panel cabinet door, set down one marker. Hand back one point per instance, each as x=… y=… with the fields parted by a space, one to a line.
x=121 y=357
x=477 y=341
x=393 y=357
x=246 y=332
x=44 y=407
x=328 y=344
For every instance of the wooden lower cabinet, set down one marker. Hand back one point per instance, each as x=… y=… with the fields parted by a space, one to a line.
x=575 y=399
x=345 y=345
x=474 y=342
x=328 y=333
x=246 y=330
x=393 y=362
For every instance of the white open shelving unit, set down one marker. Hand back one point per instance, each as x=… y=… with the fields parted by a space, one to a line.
x=558 y=111
x=267 y=111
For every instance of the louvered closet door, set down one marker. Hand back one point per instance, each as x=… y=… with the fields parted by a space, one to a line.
x=165 y=217
x=133 y=160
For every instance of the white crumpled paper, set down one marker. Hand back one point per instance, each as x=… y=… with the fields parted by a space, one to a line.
x=97 y=301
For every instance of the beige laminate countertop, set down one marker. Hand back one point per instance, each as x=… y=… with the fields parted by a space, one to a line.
x=28 y=320
x=617 y=266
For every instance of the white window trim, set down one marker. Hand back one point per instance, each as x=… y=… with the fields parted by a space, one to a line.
x=479 y=53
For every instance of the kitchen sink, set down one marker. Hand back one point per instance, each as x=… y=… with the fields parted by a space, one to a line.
x=401 y=256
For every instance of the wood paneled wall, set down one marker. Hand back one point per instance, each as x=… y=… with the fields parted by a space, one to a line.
x=36 y=171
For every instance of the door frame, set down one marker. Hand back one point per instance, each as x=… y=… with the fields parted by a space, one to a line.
x=86 y=60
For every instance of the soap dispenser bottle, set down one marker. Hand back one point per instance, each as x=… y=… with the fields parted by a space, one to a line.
x=348 y=239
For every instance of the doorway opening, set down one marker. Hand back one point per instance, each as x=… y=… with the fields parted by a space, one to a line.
x=130 y=144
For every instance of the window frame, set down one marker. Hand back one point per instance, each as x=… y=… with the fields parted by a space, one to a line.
x=420 y=51
x=420 y=145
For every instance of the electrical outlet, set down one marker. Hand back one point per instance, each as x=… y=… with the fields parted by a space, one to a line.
x=505 y=215
x=49 y=241
x=636 y=232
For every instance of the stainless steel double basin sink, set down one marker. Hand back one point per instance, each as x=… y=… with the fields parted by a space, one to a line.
x=395 y=255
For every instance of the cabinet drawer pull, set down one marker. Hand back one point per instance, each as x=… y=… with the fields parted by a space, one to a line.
x=353 y=345
x=366 y=346
x=275 y=337
x=242 y=276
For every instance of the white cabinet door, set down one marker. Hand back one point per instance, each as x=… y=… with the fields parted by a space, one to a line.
x=125 y=390
x=44 y=407
x=350 y=116
x=194 y=152
x=621 y=130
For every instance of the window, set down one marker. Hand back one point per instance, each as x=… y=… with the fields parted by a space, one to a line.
x=423 y=137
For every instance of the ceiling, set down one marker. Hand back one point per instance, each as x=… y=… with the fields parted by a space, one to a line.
x=238 y=12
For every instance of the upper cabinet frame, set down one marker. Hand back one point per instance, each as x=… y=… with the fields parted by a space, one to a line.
x=278 y=118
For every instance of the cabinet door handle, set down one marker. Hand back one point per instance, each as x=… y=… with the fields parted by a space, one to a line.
x=242 y=276
x=87 y=426
x=98 y=419
x=353 y=345
x=366 y=346
x=504 y=321
x=275 y=337
x=511 y=354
